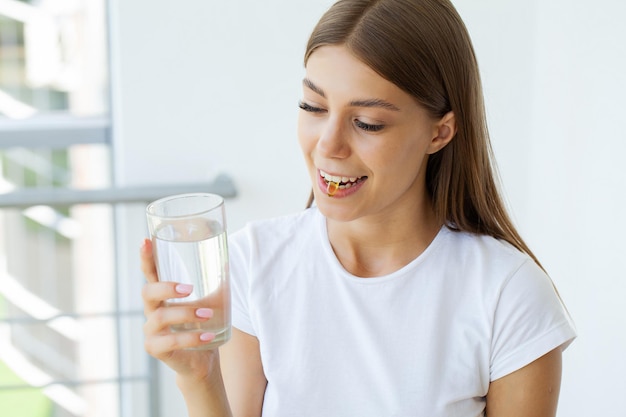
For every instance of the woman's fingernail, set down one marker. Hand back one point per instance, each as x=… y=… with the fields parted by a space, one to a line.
x=184 y=288
x=207 y=337
x=205 y=313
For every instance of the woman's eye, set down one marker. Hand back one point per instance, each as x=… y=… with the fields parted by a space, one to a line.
x=368 y=127
x=307 y=107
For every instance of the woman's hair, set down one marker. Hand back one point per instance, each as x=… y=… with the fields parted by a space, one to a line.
x=423 y=47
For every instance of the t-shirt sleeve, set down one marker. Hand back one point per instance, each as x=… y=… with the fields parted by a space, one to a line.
x=530 y=321
x=239 y=262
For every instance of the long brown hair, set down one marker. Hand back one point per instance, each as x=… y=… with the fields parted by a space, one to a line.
x=423 y=47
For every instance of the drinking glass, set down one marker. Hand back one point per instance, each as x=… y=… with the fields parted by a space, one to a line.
x=188 y=234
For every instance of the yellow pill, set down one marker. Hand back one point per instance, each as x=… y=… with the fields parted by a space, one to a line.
x=332 y=188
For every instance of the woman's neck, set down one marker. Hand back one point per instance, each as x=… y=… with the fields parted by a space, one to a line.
x=379 y=245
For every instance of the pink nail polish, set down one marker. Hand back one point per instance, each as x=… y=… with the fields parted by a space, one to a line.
x=184 y=288
x=144 y=245
x=207 y=337
x=204 y=313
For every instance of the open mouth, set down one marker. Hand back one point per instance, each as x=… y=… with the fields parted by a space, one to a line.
x=341 y=182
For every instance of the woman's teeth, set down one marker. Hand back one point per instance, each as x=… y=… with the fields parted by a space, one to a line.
x=342 y=182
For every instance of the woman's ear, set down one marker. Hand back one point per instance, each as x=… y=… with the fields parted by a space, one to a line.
x=444 y=132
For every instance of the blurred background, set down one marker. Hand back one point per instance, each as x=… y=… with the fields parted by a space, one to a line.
x=106 y=105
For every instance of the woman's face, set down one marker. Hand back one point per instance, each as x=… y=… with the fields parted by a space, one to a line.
x=363 y=132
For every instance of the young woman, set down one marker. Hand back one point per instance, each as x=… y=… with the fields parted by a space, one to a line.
x=405 y=290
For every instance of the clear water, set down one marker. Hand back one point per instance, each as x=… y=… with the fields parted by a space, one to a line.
x=199 y=257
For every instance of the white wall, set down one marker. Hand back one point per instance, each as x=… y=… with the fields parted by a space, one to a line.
x=202 y=87
x=555 y=85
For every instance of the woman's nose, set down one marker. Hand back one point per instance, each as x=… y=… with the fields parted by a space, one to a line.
x=333 y=140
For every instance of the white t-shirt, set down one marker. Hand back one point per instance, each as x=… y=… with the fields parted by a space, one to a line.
x=425 y=340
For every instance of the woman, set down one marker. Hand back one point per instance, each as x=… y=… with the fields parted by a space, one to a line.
x=406 y=290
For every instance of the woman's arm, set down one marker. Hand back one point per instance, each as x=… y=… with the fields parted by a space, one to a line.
x=530 y=391
x=243 y=374
x=205 y=397
x=238 y=386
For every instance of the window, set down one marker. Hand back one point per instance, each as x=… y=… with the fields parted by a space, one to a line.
x=66 y=348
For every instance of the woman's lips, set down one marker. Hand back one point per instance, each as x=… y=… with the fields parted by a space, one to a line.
x=339 y=186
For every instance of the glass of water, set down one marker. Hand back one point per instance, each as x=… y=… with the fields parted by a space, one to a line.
x=188 y=234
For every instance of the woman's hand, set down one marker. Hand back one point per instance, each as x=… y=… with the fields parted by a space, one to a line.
x=160 y=341
x=199 y=372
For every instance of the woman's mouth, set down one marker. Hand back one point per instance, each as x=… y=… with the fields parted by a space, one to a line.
x=336 y=183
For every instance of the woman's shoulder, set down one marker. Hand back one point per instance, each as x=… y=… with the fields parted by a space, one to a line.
x=469 y=241
x=485 y=253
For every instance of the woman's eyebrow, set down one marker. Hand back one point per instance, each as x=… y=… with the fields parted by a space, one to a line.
x=373 y=102
x=316 y=89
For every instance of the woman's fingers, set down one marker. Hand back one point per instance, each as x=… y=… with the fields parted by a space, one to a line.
x=155 y=293
x=148 y=266
x=163 y=318
x=163 y=346
x=160 y=340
